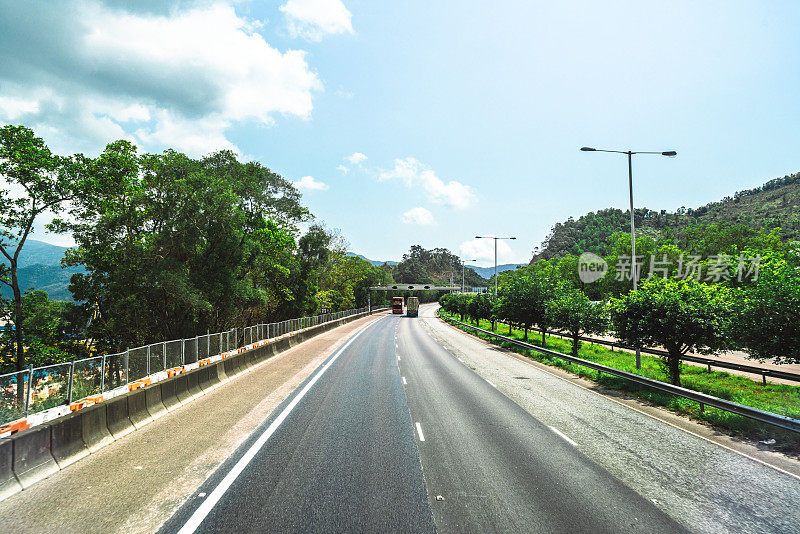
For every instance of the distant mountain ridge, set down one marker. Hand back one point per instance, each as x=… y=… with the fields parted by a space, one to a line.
x=484 y=272
x=373 y=262
x=40 y=268
x=488 y=272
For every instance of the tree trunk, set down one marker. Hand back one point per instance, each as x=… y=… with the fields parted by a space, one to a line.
x=674 y=362
x=544 y=333
x=575 y=343
x=19 y=363
x=509 y=329
x=525 y=337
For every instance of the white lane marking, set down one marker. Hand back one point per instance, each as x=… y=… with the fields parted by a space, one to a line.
x=404 y=380
x=651 y=416
x=563 y=436
x=419 y=431
x=491 y=384
x=204 y=509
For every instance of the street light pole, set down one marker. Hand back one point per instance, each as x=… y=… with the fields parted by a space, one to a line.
x=495 y=263
x=635 y=273
x=463 y=263
x=634 y=265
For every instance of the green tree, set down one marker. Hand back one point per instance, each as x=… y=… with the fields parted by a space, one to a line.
x=574 y=312
x=45 y=181
x=518 y=303
x=173 y=246
x=767 y=322
x=480 y=307
x=679 y=315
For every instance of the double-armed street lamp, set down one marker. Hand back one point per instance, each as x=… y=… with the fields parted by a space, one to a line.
x=463 y=263
x=494 y=323
x=634 y=265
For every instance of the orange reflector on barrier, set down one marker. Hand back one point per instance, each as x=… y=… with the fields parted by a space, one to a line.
x=175 y=371
x=16 y=426
x=139 y=384
x=205 y=361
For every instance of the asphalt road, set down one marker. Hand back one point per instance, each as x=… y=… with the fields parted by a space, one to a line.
x=393 y=433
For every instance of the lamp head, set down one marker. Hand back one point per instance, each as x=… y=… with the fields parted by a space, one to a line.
x=588 y=149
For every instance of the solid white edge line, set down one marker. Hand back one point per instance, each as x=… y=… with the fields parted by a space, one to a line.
x=419 y=431
x=522 y=359
x=404 y=380
x=491 y=384
x=562 y=435
x=208 y=504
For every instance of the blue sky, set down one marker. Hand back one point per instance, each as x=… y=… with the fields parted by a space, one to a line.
x=470 y=115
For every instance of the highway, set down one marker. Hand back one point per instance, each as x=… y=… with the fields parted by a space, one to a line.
x=395 y=433
x=393 y=424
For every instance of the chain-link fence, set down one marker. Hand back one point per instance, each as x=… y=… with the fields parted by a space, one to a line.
x=39 y=388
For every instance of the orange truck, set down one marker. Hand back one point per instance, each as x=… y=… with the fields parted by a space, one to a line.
x=397 y=305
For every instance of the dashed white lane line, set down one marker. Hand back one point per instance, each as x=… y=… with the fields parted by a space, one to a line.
x=404 y=380
x=492 y=384
x=419 y=431
x=563 y=436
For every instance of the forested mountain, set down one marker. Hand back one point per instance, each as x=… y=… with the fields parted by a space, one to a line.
x=776 y=204
x=40 y=268
x=437 y=265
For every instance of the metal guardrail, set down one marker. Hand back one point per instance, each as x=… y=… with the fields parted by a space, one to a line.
x=59 y=384
x=781 y=421
x=752 y=369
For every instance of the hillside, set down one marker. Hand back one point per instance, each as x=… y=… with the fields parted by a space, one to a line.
x=776 y=204
x=376 y=263
x=40 y=268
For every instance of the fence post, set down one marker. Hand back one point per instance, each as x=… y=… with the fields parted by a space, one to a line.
x=164 y=354
x=183 y=351
x=127 y=362
x=103 y=374
x=69 y=387
x=30 y=389
x=208 y=343
x=147 y=367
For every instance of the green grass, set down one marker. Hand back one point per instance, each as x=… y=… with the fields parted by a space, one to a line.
x=776 y=398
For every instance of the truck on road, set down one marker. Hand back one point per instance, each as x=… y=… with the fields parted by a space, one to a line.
x=397 y=305
x=412 y=306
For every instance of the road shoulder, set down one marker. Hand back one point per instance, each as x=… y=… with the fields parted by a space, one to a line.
x=137 y=482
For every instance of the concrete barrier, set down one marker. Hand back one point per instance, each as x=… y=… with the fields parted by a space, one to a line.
x=155 y=407
x=204 y=377
x=231 y=366
x=137 y=408
x=66 y=440
x=95 y=428
x=9 y=485
x=169 y=395
x=182 y=388
x=33 y=454
x=213 y=379
x=32 y=458
x=193 y=383
x=119 y=424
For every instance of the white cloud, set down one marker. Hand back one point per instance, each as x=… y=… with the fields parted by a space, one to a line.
x=356 y=158
x=313 y=19
x=310 y=184
x=415 y=174
x=342 y=169
x=179 y=78
x=419 y=216
x=483 y=249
